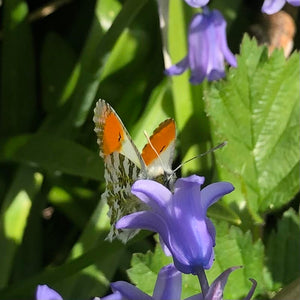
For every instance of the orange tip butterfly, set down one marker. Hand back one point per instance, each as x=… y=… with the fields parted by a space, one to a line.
x=124 y=164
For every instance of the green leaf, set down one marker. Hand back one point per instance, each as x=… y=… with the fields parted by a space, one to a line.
x=91 y=67
x=56 y=71
x=158 y=109
x=256 y=109
x=83 y=283
x=145 y=268
x=118 y=57
x=181 y=87
x=18 y=98
x=188 y=105
x=236 y=248
x=94 y=279
x=54 y=154
x=13 y=217
x=283 y=249
x=65 y=202
x=220 y=211
x=106 y=12
x=102 y=255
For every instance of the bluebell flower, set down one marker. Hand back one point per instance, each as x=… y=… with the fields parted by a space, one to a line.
x=197 y=3
x=43 y=292
x=167 y=287
x=273 y=6
x=179 y=218
x=207 y=48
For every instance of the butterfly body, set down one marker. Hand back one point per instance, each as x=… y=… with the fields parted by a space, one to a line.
x=124 y=164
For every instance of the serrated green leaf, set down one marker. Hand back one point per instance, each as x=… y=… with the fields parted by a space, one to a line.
x=283 y=249
x=220 y=211
x=257 y=111
x=236 y=248
x=54 y=154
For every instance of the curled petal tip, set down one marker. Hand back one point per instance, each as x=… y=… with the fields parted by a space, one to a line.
x=251 y=292
x=43 y=292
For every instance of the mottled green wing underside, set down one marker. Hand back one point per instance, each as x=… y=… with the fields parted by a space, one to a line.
x=120 y=174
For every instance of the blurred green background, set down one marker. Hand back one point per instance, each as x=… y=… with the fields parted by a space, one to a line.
x=57 y=59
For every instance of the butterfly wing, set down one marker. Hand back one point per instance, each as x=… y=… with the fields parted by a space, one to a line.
x=112 y=134
x=120 y=174
x=158 y=153
x=123 y=165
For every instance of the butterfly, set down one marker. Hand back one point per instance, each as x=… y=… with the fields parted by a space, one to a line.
x=124 y=164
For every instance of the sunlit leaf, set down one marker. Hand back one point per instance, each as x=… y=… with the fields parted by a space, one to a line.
x=55 y=154
x=256 y=109
x=13 y=218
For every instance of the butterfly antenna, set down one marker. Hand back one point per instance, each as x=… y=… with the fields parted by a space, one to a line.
x=197 y=156
x=157 y=154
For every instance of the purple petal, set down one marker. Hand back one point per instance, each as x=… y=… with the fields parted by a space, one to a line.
x=168 y=284
x=127 y=291
x=251 y=292
x=191 y=246
x=220 y=27
x=210 y=261
x=145 y=220
x=217 y=287
x=192 y=180
x=272 y=6
x=43 y=292
x=152 y=193
x=215 y=68
x=198 y=48
x=191 y=205
x=213 y=192
x=196 y=3
x=164 y=247
x=215 y=74
x=178 y=68
x=211 y=229
x=294 y=2
x=192 y=241
x=115 y=296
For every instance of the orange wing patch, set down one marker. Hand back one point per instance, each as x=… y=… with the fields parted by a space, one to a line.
x=113 y=134
x=161 y=138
